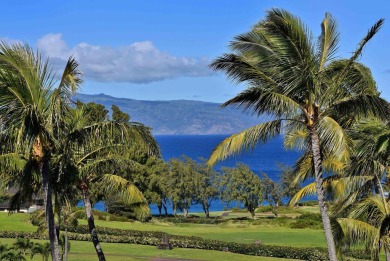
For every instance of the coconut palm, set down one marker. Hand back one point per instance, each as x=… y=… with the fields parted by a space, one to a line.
x=94 y=156
x=32 y=104
x=364 y=213
x=303 y=88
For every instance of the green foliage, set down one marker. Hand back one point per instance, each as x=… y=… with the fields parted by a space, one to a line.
x=101 y=215
x=272 y=193
x=118 y=115
x=95 y=112
x=182 y=187
x=287 y=181
x=241 y=184
x=192 y=220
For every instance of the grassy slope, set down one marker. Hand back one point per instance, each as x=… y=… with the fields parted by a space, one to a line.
x=16 y=222
x=84 y=251
x=242 y=233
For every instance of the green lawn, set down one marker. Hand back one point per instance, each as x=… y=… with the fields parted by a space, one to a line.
x=84 y=251
x=234 y=232
x=242 y=233
x=16 y=222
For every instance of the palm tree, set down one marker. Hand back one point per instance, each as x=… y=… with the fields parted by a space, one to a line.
x=306 y=92
x=32 y=104
x=41 y=249
x=22 y=245
x=94 y=155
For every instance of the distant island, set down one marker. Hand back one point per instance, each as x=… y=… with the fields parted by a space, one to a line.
x=179 y=117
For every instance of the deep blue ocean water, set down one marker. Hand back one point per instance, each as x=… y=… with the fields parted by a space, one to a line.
x=264 y=158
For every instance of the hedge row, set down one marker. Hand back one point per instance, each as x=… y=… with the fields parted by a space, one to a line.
x=150 y=238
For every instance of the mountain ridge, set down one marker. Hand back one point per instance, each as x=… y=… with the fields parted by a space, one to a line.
x=178 y=117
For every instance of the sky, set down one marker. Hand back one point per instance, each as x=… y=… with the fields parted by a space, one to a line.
x=160 y=50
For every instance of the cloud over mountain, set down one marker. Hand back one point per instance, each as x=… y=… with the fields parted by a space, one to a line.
x=139 y=62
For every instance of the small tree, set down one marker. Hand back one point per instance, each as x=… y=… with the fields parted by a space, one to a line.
x=206 y=186
x=41 y=249
x=157 y=191
x=181 y=184
x=287 y=181
x=272 y=193
x=241 y=184
x=118 y=115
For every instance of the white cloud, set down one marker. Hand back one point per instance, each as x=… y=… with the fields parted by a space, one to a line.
x=139 y=62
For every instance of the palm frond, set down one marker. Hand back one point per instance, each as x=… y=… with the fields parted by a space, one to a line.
x=334 y=139
x=127 y=191
x=373 y=30
x=309 y=189
x=360 y=232
x=328 y=40
x=261 y=101
x=245 y=140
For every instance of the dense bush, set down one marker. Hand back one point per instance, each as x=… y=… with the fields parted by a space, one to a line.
x=308 y=220
x=279 y=221
x=311 y=216
x=238 y=210
x=306 y=223
x=263 y=209
x=192 y=220
x=309 y=203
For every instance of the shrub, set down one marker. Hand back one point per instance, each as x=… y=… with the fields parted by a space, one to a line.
x=192 y=220
x=306 y=223
x=239 y=210
x=308 y=220
x=263 y=209
x=279 y=221
x=309 y=203
x=311 y=216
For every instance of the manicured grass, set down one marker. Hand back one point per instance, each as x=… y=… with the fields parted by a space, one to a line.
x=16 y=222
x=234 y=232
x=241 y=232
x=84 y=251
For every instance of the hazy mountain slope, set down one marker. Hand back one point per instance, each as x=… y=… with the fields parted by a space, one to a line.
x=178 y=116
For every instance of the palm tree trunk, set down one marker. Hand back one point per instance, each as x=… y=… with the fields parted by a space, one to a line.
x=317 y=160
x=91 y=225
x=387 y=254
x=66 y=242
x=47 y=198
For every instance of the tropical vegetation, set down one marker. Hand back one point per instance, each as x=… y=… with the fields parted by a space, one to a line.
x=327 y=107
x=311 y=95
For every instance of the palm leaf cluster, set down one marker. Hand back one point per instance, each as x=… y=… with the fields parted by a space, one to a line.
x=310 y=95
x=50 y=148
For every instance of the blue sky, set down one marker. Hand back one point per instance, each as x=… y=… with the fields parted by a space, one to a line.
x=159 y=50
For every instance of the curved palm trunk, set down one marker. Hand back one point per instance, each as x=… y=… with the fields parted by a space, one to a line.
x=317 y=160
x=91 y=225
x=47 y=198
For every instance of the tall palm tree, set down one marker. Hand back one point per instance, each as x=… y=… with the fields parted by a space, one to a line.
x=300 y=85
x=93 y=155
x=32 y=104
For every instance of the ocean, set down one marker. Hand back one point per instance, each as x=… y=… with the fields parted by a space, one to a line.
x=263 y=159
